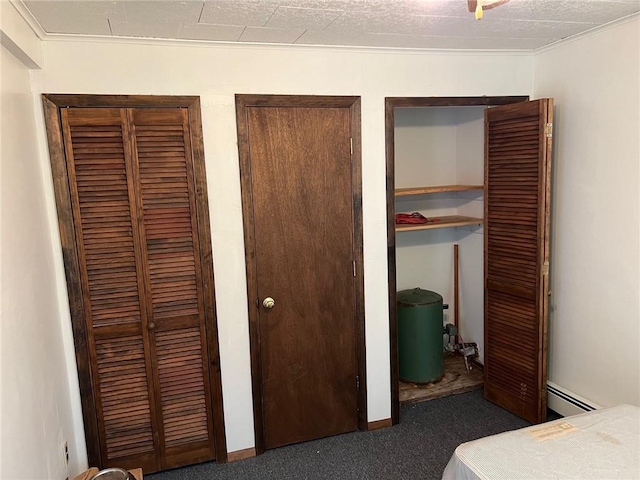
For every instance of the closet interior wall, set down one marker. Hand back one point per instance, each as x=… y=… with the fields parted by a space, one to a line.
x=442 y=146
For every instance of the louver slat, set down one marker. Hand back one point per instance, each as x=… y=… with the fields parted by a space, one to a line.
x=182 y=387
x=173 y=274
x=98 y=179
x=516 y=256
x=102 y=196
x=125 y=400
x=162 y=161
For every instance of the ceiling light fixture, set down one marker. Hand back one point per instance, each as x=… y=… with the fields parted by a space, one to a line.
x=478 y=6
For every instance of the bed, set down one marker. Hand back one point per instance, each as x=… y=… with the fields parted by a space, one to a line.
x=602 y=444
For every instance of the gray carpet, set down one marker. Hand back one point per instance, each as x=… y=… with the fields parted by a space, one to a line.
x=418 y=448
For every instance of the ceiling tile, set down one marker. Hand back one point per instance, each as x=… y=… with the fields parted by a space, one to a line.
x=218 y=33
x=391 y=23
x=253 y=13
x=350 y=22
x=322 y=37
x=270 y=35
x=589 y=11
x=75 y=17
x=150 y=30
x=165 y=11
x=330 y=4
x=505 y=28
x=392 y=20
x=481 y=43
x=305 y=18
x=420 y=41
x=458 y=26
x=402 y=8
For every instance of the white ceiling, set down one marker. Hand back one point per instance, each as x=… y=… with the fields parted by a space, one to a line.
x=440 y=24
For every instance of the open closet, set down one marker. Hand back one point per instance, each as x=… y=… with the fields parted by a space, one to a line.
x=477 y=169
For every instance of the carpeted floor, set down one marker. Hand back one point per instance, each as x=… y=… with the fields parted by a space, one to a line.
x=418 y=448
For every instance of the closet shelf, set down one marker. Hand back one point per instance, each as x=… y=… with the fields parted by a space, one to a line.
x=445 y=222
x=401 y=192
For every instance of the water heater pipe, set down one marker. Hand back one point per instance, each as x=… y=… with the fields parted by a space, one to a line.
x=456 y=288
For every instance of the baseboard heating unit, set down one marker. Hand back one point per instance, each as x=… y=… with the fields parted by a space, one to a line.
x=567 y=403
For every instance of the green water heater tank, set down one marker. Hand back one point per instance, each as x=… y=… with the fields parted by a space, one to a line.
x=420 y=345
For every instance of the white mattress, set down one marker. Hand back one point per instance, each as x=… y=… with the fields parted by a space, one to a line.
x=603 y=444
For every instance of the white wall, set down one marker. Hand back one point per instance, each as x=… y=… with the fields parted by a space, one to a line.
x=216 y=73
x=595 y=312
x=36 y=398
x=425 y=146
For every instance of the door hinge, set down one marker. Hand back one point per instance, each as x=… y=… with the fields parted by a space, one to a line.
x=545 y=268
x=358 y=383
x=549 y=130
x=354 y=268
x=351 y=145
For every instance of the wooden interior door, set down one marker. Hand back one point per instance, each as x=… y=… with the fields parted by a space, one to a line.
x=138 y=265
x=517 y=207
x=298 y=194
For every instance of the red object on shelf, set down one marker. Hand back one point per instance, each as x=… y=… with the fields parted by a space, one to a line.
x=413 y=218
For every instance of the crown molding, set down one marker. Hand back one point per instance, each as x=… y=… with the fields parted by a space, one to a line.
x=105 y=39
x=28 y=17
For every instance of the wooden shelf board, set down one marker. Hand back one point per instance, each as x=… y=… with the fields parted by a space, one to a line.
x=445 y=222
x=401 y=192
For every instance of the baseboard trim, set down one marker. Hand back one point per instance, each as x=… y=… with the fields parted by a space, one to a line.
x=241 y=454
x=567 y=403
x=378 y=424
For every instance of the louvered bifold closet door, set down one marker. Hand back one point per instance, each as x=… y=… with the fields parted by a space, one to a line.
x=164 y=170
x=517 y=196
x=132 y=188
x=98 y=156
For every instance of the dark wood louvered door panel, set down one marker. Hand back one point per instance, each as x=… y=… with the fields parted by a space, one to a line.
x=517 y=196
x=169 y=228
x=111 y=277
x=144 y=285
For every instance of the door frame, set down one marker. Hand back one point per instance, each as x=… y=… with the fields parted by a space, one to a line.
x=243 y=102
x=390 y=104
x=52 y=105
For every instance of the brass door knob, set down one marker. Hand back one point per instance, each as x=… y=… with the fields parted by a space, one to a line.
x=268 y=302
x=151 y=326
